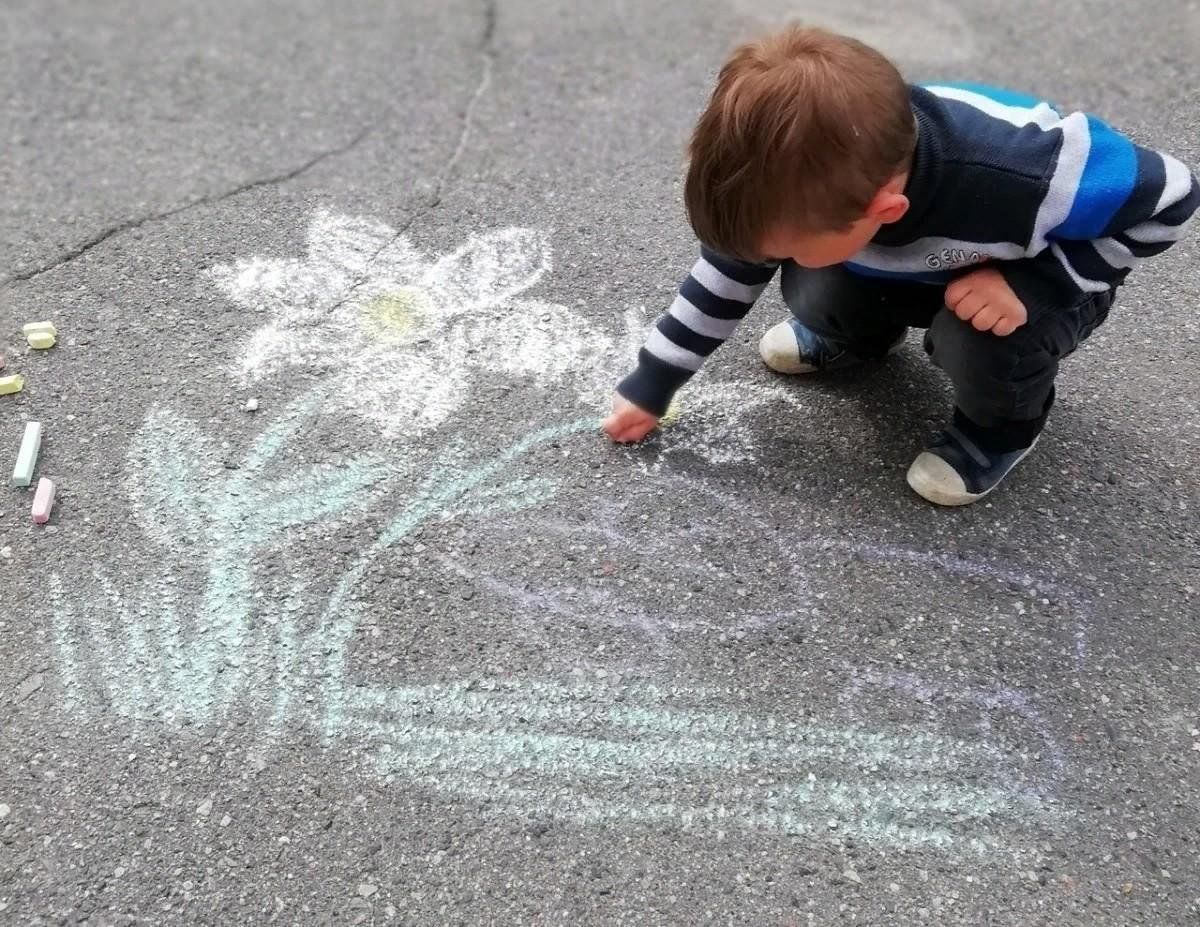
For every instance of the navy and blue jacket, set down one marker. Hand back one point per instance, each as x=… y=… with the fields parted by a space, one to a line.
x=1064 y=206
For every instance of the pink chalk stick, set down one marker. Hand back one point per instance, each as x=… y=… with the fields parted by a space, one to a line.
x=43 y=501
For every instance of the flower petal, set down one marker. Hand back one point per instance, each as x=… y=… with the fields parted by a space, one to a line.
x=294 y=292
x=272 y=348
x=344 y=245
x=403 y=393
x=542 y=341
x=488 y=270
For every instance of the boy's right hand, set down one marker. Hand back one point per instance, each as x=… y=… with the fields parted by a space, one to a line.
x=627 y=422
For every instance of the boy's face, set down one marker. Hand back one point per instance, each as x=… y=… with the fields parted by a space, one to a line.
x=824 y=249
x=820 y=249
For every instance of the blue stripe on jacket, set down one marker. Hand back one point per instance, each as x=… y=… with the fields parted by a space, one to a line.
x=1109 y=177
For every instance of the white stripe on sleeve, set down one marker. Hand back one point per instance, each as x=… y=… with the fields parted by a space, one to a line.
x=1041 y=115
x=1149 y=233
x=1177 y=185
x=719 y=285
x=700 y=322
x=1088 y=286
x=1064 y=184
x=1115 y=254
x=667 y=351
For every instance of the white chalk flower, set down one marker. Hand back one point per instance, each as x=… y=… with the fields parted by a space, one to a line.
x=403 y=333
x=405 y=336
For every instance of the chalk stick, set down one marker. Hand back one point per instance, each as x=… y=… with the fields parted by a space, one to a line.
x=43 y=501
x=40 y=340
x=32 y=327
x=27 y=455
x=11 y=384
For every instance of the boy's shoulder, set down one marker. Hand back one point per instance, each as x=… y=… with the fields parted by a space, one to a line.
x=994 y=113
x=981 y=95
x=976 y=126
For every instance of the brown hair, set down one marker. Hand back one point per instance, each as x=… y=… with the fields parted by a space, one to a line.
x=804 y=126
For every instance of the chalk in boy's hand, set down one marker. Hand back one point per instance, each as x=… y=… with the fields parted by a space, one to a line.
x=986 y=217
x=627 y=422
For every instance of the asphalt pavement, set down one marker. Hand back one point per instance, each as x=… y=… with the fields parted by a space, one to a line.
x=346 y=612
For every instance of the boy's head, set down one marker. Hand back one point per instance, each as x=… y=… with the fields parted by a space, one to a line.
x=803 y=150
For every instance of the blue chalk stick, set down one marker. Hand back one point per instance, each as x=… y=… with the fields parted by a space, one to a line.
x=27 y=455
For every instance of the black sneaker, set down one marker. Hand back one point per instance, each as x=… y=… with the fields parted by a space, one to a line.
x=793 y=347
x=954 y=470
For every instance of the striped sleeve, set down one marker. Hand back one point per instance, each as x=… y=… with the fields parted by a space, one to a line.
x=1127 y=203
x=714 y=298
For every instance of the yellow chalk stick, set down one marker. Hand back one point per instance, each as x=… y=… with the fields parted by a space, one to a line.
x=11 y=384
x=31 y=327
x=671 y=416
x=40 y=340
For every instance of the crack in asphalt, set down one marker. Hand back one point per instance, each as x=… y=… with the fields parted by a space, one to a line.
x=487 y=55
x=129 y=224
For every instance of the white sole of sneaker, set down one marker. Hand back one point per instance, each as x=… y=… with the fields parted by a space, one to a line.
x=935 y=481
x=780 y=352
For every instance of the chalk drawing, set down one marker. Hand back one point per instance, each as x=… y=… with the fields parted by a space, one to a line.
x=519 y=745
x=403 y=333
x=203 y=638
x=156 y=650
x=1026 y=755
x=405 y=337
x=994 y=705
x=1080 y=606
x=194 y=665
x=726 y=531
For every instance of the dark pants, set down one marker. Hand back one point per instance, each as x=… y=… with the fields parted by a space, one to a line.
x=1003 y=386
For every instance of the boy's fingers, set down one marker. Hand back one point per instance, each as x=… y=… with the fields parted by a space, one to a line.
x=986 y=318
x=968 y=306
x=1004 y=327
x=631 y=435
x=639 y=430
x=623 y=431
x=958 y=289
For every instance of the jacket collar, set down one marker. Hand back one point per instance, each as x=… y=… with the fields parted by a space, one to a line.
x=923 y=178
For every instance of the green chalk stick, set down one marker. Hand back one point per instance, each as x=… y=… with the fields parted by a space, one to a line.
x=27 y=456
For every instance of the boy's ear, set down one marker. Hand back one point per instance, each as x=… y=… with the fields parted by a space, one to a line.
x=888 y=206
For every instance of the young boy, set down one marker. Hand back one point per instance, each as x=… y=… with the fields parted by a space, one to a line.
x=985 y=217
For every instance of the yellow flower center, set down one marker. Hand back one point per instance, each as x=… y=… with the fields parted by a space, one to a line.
x=397 y=316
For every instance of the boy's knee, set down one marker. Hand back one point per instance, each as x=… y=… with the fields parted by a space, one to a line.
x=995 y=378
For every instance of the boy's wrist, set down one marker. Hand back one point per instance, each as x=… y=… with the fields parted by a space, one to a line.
x=648 y=390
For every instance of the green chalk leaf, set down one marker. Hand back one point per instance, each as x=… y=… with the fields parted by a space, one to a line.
x=167 y=477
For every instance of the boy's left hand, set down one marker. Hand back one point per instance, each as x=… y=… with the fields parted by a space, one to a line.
x=984 y=298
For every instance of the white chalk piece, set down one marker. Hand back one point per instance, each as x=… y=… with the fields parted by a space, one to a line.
x=46 y=327
x=27 y=456
x=251 y=404
x=43 y=501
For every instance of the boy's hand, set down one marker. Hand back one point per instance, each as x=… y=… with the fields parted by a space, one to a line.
x=627 y=422
x=984 y=298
